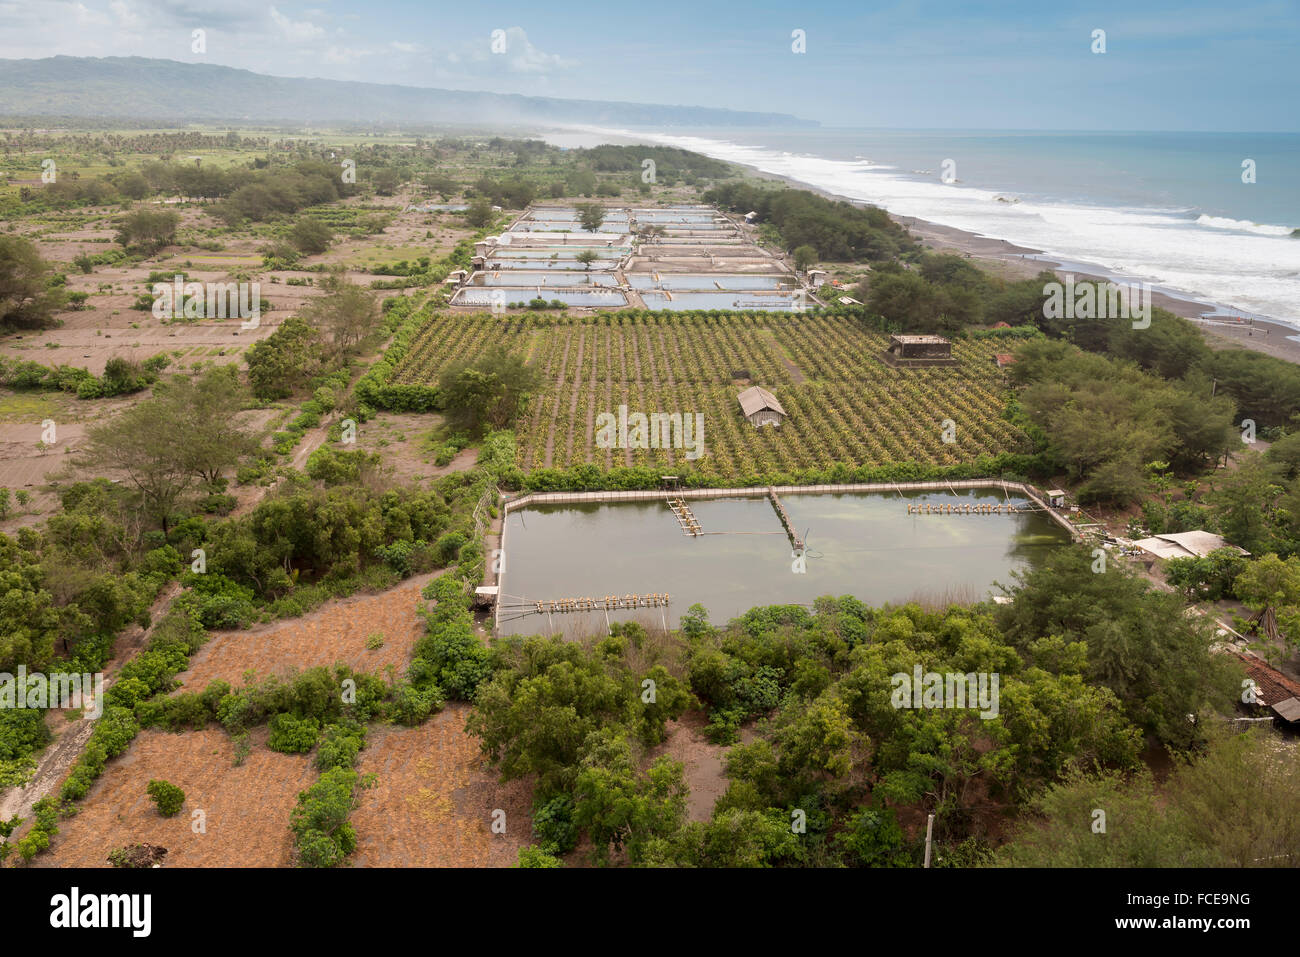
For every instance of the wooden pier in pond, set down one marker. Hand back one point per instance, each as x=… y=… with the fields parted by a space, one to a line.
x=965 y=508
x=795 y=540
x=606 y=603
x=685 y=517
x=673 y=496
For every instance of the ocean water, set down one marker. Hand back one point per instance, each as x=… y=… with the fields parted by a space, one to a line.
x=1165 y=208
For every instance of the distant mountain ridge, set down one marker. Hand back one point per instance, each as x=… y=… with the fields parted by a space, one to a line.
x=144 y=88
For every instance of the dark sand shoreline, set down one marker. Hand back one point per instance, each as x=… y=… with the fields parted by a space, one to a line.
x=1014 y=262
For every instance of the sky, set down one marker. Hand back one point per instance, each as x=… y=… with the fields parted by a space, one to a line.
x=919 y=64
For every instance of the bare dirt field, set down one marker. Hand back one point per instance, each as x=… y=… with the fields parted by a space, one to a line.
x=246 y=807
x=400 y=438
x=702 y=761
x=337 y=632
x=433 y=799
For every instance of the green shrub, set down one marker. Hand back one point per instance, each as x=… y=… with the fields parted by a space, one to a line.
x=553 y=826
x=291 y=735
x=167 y=797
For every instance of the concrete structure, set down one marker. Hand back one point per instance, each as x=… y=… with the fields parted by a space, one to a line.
x=761 y=407
x=919 y=351
x=1195 y=544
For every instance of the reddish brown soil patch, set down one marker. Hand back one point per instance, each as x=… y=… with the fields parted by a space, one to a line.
x=336 y=632
x=433 y=799
x=246 y=807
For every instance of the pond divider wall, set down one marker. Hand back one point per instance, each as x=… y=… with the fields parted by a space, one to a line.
x=657 y=495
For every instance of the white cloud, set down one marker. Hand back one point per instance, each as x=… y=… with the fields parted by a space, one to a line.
x=518 y=55
x=337 y=54
x=296 y=31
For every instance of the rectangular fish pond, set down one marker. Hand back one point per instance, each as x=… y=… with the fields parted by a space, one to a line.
x=480 y=296
x=564 y=265
x=555 y=253
x=772 y=302
x=728 y=281
x=864 y=544
x=555 y=277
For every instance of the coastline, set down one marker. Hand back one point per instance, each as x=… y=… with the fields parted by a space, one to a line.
x=1013 y=262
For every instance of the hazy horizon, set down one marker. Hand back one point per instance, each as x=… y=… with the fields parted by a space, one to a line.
x=915 y=65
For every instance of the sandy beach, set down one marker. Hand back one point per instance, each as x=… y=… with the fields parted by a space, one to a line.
x=1014 y=262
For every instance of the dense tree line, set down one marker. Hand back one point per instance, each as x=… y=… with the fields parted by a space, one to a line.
x=838 y=230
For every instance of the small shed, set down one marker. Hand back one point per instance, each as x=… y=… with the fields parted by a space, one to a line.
x=1055 y=498
x=760 y=407
x=1195 y=544
x=927 y=350
x=1004 y=359
x=816 y=277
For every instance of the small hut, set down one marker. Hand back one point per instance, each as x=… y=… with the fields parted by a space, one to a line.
x=760 y=407
x=919 y=351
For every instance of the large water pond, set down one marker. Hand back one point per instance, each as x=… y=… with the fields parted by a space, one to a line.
x=773 y=302
x=861 y=544
x=518 y=277
x=567 y=264
x=732 y=281
x=479 y=296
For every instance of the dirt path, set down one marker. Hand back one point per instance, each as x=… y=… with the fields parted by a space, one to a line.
x=573 y=399
x=609 y=386
x=70 y=739
x=555 y=405
x=62 y=753
x=654 y=380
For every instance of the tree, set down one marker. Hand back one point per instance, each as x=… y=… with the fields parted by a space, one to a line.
x=186 y=431
x=1244 y=502
x=148 y=229
x=208 y=406
x=319 y=821
x=346 y=312
x=805 y=256
x=587 y=257
x=591 y=215
x=1270 y=587
x=479 y=213
x=386 y=181
x=1237 y=804
x=1141 y=644
x=441 y=184
x=285 y=361
x=310 y=236
x=27 y=300
x=147 y=443
x=621 y=808
x=488 y=393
